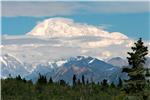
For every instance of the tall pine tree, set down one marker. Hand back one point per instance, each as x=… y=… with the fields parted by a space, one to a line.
x=120 y=83
x=83 y=81
x=136 y=60
x=74 y=80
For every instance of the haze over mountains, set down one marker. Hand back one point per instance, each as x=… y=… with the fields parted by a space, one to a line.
x=53 y=48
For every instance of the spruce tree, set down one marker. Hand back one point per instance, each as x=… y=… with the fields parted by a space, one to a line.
x=62 y=82
x=147 y=73
x=83 y=81
x=104 y=83
x=112 y=85
x=18 y=78
x=42 y=79
x=87 y=81
x=50 y=80
x=120 y=83
x=136 y=59
x=74 y=79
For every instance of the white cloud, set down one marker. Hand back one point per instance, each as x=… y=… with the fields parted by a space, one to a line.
x=104 y=43
x=51 y=8
x=63 y=27
x=57 y=38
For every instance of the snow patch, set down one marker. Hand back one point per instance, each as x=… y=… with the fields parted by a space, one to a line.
x=60 y=63
x=91 y=61
x=2 y=60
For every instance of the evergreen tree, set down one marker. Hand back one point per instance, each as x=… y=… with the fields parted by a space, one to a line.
x=112 y=85
x=62 y=82
x=120 y=83
x=74 y=79
x=147 y=75
x=87 y=81
x=104 y=83
x=9 y=76
x=83 y=81
x=136 y=60
x=147 y=72
x=24 y=80
x=42 y=79
x=18 y=78
x=50 y=80
x=92 y=82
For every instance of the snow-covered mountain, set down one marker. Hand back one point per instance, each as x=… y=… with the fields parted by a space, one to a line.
x=92 y=68
x=47 y=49
x=64 y=27
x=13 y=66
x=48 y=68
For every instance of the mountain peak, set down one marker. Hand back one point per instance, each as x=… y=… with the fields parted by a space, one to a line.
x=64 y=27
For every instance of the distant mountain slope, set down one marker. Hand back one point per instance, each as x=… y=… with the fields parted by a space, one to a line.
x=147 y=62
x=13 y=66
x=92 y=68
x=118 y=61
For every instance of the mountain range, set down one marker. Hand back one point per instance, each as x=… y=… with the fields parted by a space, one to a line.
x=92 y=68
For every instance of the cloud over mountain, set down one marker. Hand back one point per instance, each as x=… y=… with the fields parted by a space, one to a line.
x=57 y=38
x=64 y=27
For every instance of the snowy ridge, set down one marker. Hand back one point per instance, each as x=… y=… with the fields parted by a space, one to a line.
x=14 y=66
x=63 y=69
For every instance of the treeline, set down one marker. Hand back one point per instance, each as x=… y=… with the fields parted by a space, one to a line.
x=137 y=87
x=21 y=89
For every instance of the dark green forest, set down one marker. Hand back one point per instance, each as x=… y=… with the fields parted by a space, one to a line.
x=137 y=87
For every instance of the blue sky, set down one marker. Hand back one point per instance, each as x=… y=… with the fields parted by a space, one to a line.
x=130 y=18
